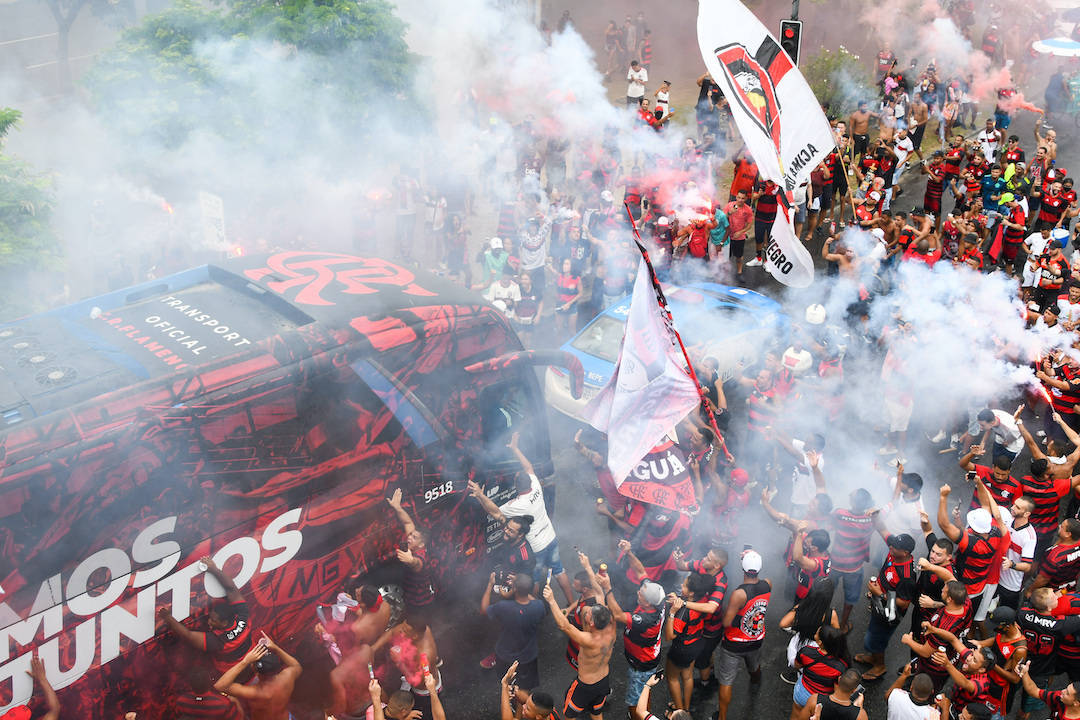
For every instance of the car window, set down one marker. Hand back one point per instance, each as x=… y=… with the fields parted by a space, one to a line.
x=602 y=338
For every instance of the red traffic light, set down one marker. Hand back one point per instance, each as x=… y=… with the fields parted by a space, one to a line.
x=789 y=33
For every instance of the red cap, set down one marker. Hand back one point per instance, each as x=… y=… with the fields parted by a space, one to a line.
x=740 y=477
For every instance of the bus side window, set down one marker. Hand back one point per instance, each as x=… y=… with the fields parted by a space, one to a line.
x=507 y=408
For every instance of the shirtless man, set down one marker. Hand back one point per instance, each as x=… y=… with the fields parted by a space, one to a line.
x=373 y=619
x=588 y=693
x=277 y=671
x=920 y=117
x=839 y=254
x=349 y=684
x=1048 y=141
x=860 y=128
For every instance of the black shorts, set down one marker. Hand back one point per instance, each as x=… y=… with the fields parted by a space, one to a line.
x=861 y=144
x=683 y=656
x=761 y=231
x=825 y=201
x=709 y=644
x=736 y=248
x=582 y=699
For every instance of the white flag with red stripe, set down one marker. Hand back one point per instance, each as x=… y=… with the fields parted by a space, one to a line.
x=776 y=112
x=650 y=391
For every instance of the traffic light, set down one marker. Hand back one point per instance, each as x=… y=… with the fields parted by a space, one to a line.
x=791 y=37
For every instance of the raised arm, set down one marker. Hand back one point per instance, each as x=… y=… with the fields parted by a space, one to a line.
x=951 y=531
x=940 y=571
x=437 y=712
x=609 y=599
x=578 y=636
x=986 y=500
x=967 y=460
x=635 y=564
x=52 y=703
x=641 y=710
x=525 y=464
x=227 y=683
x=193 y=638
x=485 y=502
x=797 y=555
x=1032 y=446
x=779 y=517
x=506 y=710
x=376 y=700
x=402 y=515
x=232 y=593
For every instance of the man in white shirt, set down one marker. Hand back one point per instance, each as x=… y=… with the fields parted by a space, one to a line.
x=915 y=704
x=530 y=501
x=807 y=479
x=1069 y=305
x=990 y=139
x=504 y=293
x=636 y=77
x=1007 y=438
x=1034 y=245
x=1021 y=553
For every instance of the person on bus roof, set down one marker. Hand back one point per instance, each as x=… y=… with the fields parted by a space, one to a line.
x=229 y=636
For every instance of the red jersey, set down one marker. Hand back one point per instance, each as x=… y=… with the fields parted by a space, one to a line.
x=745 y=176
x=747 y=630
x=229 y=645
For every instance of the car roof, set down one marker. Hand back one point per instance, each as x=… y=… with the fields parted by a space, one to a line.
x=705 y=294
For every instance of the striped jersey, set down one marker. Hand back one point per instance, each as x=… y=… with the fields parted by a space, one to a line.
x=1004 y=492
x=850 y=540
x=1061 y=565
x=820 y=671
x=958 y=624
x=714 y=622
x=1046 y=493
x=689 y=627
x=974 y=557
x=805 y=580
x=642 y=637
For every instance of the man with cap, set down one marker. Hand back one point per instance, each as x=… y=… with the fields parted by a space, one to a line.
x=744 y=629
x=1053 y=270
x=894 y=584
x=979 y=547
x=494 y=261
x=1014 y=222
x=1010 y=649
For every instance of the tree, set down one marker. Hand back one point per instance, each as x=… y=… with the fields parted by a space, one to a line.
x=65 y=12
x=839 y=80
x=253 y=72
x=27 y=241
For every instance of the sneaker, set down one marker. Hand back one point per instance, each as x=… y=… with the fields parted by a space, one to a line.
x=937 y=438
x=887 y=450
x=790 y=676
x=488 y=662
x=756 y=262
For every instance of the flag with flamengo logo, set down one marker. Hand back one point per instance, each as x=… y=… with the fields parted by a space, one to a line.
x=648 y=394
x=777 y=114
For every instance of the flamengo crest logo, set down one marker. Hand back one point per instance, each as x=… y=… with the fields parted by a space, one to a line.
x=754 y=79
x=310 y=273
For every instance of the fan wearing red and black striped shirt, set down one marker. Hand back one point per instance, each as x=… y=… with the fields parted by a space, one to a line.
x=809 y=555
x=852 y=530
x=713 y=564
x=1003 y=487
x=955 y=618
x=1046 y=492
x=820 y=665
x=977 y=546
x=202 y=702
x=685 y=628
x=1061 y=566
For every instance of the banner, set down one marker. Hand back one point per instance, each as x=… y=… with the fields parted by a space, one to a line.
x=650 y=391
x=662 y=478
x=777 y=114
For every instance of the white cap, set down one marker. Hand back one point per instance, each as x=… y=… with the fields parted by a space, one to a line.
x=606 y=195
x=751 y=561
x=496 y=243
x=979 y=520
x=797 y=362
x=652 y=593
x=815 y=314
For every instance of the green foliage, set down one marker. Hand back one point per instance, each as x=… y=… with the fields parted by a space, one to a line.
x=27 y=241
x=839 y=79
x=254 y=72
x=9 y=120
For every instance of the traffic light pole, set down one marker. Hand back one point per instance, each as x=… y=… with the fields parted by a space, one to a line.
x=794 y=9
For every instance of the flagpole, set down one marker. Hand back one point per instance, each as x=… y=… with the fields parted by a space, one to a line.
x=850 y=194
x=689 y=365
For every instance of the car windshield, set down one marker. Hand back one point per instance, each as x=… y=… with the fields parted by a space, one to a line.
x=602 y=338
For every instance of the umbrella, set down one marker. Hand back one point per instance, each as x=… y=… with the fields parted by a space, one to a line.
x=1060 y=46
x=662 y=478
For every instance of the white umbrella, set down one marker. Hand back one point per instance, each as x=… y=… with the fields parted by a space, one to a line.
x=1060 y=46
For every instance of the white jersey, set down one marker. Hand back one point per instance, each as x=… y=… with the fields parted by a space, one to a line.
x=542 y=532
x=1021 y=549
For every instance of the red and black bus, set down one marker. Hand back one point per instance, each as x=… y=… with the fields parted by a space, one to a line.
x=258 y=413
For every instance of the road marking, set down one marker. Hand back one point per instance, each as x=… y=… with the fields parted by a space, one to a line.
x=53 y=62
x=27 y=39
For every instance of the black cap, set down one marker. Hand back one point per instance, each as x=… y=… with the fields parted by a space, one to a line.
x=1002 y=615
x=903 y=541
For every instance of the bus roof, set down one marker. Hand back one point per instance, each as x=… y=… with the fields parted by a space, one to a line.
x=65 y=356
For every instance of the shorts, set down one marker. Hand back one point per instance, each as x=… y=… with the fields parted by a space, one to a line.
x=635 y=683
x=729 y=661
x=932 y=204
x=736 y=248
x=800 y=213
x=800 y=696
x=1010 y=250
x=815 y=204
x=683 y=656
x=582 y=699
x=853 y=585
x=899 y=414
x=761 y=231
x=1002 y=120
x=878 y=634
x=999 y=450
x=709 y=643
x=1008 y=598
x=1029 y=703
x=826 y=200
x=548 y=558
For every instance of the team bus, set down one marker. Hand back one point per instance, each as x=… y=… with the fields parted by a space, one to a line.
x=258 y=413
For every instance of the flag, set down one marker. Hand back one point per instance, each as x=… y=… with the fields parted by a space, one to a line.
x=650 y=391
x=662 y=477
x=777 y=114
